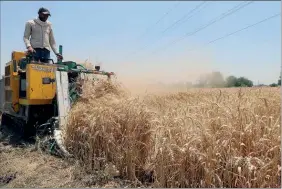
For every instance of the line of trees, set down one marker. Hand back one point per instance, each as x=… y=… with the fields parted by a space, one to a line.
x=216 y=79
x=276 y=84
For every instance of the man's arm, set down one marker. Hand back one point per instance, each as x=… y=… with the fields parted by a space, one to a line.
x=27 y=33
x=53 y=42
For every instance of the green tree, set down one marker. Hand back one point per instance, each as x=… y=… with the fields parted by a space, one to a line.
x=216 y=79
x=243 y=82
x=279 y=81
x=230 y=81
x=273 y=85
x=213 y=79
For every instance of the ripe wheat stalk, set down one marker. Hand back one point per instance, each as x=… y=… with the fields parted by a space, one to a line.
x=199 y=138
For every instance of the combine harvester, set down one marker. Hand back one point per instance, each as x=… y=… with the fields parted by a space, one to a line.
x=36 y=97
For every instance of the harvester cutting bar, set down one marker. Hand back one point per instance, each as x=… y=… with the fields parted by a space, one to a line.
x=85 y=70
x=92 y=72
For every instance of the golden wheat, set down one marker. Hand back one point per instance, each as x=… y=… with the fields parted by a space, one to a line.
x=199 y=138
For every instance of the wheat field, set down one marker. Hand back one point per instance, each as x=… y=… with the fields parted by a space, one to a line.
x=198 y=138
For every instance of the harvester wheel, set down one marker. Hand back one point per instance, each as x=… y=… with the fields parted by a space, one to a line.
x=12 y=129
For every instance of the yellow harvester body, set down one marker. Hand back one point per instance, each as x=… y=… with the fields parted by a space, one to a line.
x=33 y=91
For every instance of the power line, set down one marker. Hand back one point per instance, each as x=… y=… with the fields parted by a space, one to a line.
x=185 y=16
x=242 y=29
x=175 y=23
x=237 y=31
x=224 y=15
x=227 y=35
x=158 y=21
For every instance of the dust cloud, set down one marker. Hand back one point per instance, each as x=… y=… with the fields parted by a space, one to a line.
x=164 y=74
x=159 y=73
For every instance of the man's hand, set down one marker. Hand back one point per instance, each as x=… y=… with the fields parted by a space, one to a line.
x=30 y=49
x=59 y=56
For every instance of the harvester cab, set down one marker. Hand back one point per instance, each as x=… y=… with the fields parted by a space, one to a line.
x=37 y=96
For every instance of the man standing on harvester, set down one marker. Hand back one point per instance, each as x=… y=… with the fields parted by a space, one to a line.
x=39 y=37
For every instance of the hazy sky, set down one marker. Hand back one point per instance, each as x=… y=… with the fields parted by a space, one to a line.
x=109 y=32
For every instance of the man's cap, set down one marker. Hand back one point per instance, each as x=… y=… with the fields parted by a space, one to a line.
x=44 y=11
